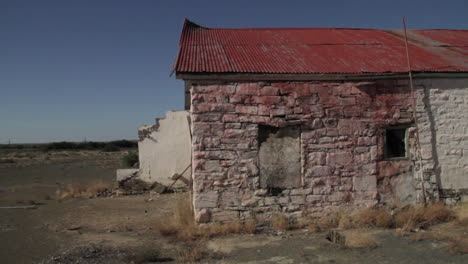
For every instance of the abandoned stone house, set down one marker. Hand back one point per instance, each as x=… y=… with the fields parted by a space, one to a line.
x=302 y=120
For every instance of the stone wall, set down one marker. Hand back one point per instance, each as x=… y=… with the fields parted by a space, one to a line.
x=341 y=146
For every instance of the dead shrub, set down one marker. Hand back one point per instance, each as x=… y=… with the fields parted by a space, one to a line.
x=313 y=227
x=250 y=226
x=345 y=222
x=359 y=239
x=93 y=189
x=331 y=220
x=461 y=212
x=191 y=253
x=280 y=222
x=422 y=217
x=372 y=217
x=181 y=224
x=438 y=213
x=383 y=218
x=222 y=229
x=401 y=233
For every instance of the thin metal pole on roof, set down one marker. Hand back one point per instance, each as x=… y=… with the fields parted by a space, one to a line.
x=415 y=118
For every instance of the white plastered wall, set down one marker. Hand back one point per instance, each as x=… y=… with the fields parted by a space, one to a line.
x=166 y=149
x=444 y=130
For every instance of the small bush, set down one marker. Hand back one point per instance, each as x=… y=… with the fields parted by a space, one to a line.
x=110 y=148
x=90 y=145
x=130 y=159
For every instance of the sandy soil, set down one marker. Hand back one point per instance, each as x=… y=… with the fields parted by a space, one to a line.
x=116 y=229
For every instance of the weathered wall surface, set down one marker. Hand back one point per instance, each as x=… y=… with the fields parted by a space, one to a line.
x=165 y=148
x=444 y=131
x=341 y=146
x=279 y=157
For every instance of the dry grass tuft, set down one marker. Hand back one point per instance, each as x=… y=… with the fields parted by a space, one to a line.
x=451 y=233
x=191 y=253
x=250 y=227
x=461 y=212
x=331 y=220
x=92 y=189
x=361 y=218
x=438 y=213
x=423 y=217
x=383 y=218
x=181 y=224
x=407 y=219
x=401 y=233
x=346 y=221
x=280 y=222
x=314 y=227
x=359 y=239
x=372 y=217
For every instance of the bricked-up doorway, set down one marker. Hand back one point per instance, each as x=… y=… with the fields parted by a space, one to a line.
x=279 y=157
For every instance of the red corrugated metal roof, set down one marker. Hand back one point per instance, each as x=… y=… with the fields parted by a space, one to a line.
x=318 y=50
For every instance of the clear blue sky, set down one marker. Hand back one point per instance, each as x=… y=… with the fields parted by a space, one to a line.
x=100 y=69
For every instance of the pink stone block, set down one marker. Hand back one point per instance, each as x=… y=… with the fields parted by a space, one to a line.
x=269 y=90
x=267 y=100
x=339 y=158
x=247 y=89
x=247 y=109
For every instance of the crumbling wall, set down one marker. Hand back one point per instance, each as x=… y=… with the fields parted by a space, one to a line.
x=165 y=148
x=341 y=147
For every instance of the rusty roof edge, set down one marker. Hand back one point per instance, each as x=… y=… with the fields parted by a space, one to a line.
x=187 y=24
x=195 y=25
x=312 y=76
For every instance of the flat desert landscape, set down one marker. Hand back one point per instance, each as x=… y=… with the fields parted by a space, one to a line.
x=63 y=207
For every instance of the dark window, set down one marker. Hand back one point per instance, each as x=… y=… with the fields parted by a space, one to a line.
x=279 y=157
x=395 y=143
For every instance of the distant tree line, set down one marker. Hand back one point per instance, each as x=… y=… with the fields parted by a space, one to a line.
x=110 y=146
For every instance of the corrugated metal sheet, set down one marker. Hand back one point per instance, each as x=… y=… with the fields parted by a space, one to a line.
x=318 y=50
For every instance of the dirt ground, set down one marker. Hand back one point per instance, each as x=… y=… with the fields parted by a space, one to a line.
x=120 y=229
